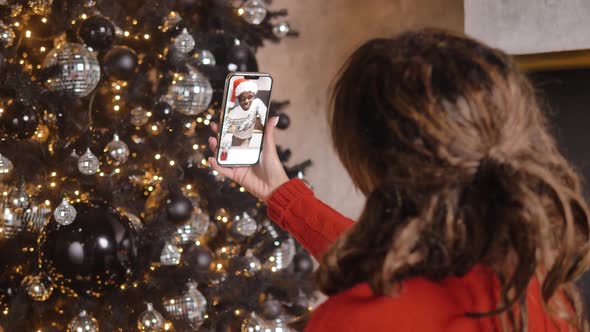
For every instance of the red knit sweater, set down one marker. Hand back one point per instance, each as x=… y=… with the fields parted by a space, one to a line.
x=423 y=305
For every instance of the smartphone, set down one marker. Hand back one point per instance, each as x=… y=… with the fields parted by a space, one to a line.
x=245 y=106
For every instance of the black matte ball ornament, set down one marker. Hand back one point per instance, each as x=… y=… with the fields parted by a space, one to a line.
x=199 y=257
x=271 y=308
x=303 y=263
x=96 y=252
x=120 y=62
x=163 y=111
x=18 y=120
x=284 y=121
x=179 y=208
x=97 y=32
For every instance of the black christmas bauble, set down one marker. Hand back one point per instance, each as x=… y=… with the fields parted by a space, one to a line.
x=97 y=32
x=270 y=308
x=176 y=29
x=303 y=263
x=284 y=121
x=162 y=111
x=241 y=58
x=19 y=119
x=120 y=62
x=96 y=252
x=199 y=257
x=178 y=207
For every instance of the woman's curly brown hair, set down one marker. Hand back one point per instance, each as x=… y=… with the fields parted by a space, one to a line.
x=445 y=137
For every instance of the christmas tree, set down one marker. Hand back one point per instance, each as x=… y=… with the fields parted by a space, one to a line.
x=110 y=218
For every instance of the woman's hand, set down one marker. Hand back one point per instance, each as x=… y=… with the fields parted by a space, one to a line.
x=261 y=179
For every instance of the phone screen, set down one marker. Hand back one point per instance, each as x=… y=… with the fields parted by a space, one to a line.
x=247 y=97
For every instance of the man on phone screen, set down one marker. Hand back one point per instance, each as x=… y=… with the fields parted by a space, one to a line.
x=241 y=119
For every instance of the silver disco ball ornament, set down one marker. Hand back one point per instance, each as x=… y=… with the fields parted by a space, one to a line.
x=205 y=58
x=88 y=163
x=6 y=35
x=6 y=166
x=281 y=29
x=244 y=225
x=191 y=306
x=253 y=323
x=83 y=323
x=184 y=42
x=38 y=289
x=253 y=11
x=41 y=7
x=79 y=70
x=117 y=150
x=193 y=229
x=191 y=92
x=139 y=116
x=150 y=320
x=170 y=255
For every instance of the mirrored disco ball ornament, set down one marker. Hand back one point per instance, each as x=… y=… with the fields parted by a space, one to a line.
x=184 y=42
x=14 y=221
x=6 y=166
x=38 y=289
x=139 y=116
x=41 y=7
x=244 y=225
x=253 y=11
x=64 y=213
x=190 y=307
x=249 y=264
x=117 y=150
x=205 y=58
x=279 y=324
x=191 y=93
x=83 y=323
x=253 y=323
x=193 y=229
x=150 y=320
x=89 y=3
x=281 y=29
x=170 y=255
x=79 y=70
x=6 y=35
x=19 y=198
x=282 y=256
x=88 y=163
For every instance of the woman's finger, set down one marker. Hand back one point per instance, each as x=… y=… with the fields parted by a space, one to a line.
x=225 y=171
x=214 y=127
x=213 y=143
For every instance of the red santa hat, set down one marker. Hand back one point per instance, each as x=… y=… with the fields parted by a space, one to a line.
x=242 y=85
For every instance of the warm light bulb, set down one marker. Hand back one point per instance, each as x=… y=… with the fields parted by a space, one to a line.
x=28 y=33
x=126 y=33
x=171 y=162
x=116 y=108
x=241 y=11
x=157 y=156
x=146 y=36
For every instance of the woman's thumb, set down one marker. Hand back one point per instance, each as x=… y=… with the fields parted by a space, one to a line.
x=269 y=133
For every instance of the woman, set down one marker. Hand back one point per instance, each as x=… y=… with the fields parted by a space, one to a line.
x=473 y=222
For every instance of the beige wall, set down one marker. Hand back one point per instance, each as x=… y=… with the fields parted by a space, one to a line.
x=303 y=69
